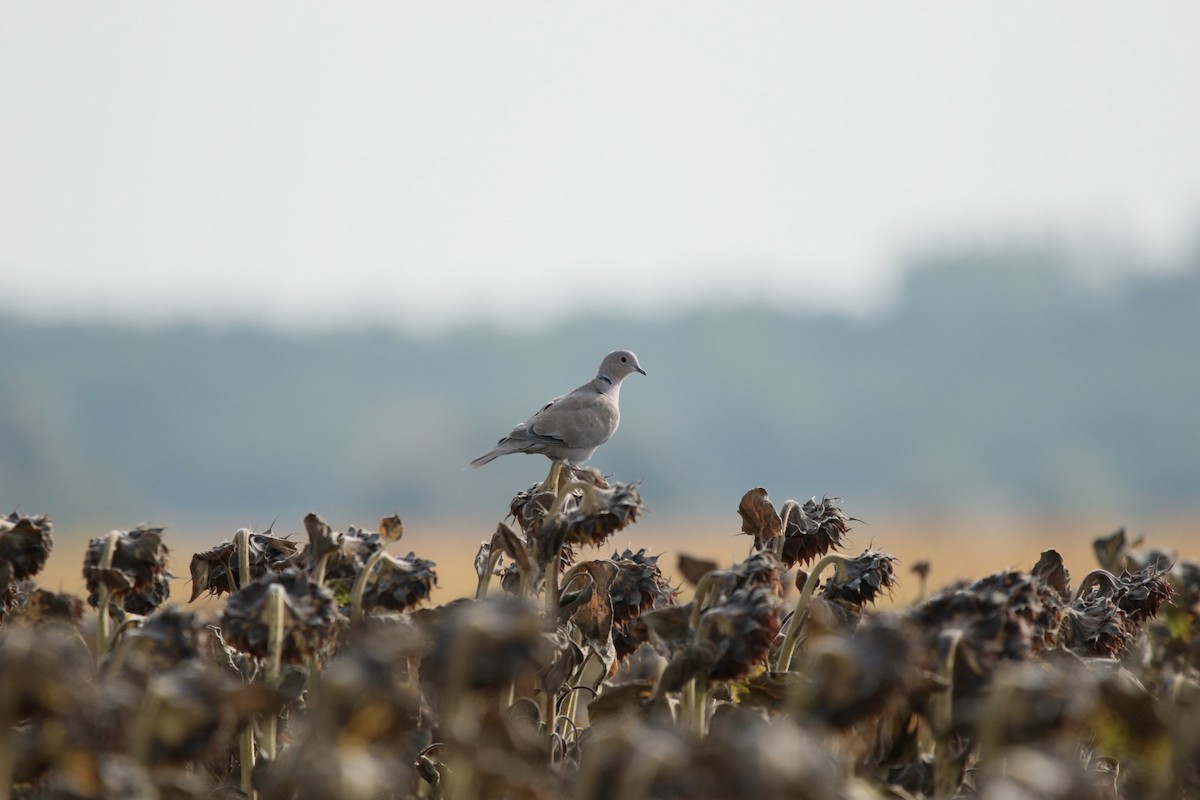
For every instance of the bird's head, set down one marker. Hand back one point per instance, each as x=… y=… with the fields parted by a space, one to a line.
x=619 y=363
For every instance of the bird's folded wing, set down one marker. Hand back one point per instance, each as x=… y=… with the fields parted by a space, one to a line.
x=579 y=419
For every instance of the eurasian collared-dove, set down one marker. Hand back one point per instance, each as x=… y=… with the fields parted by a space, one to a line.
x=570 y=428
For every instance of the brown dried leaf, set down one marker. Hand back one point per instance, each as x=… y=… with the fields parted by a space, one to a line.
x=692 y=569
x=1051 y=571
x=759 y=518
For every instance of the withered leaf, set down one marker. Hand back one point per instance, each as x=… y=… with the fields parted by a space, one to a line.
x=594 y=613
x=1110 y=551
x=508 y=541
x=1051 y=571
x=692 y=569
x=759 y=518
x=391 y=528
x=322 y=539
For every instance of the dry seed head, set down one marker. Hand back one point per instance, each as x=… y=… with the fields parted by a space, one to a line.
x=25 y=544
x=216 y=570
x=138 y=576
x=398 y=584
x=310 y=616
x=638 y=586
x=861 y=580
x=603 y=513
x=813 y=530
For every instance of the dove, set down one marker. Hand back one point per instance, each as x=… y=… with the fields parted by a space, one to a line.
x=569 y=428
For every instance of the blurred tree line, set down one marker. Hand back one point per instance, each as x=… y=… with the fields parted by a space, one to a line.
x=998 y=377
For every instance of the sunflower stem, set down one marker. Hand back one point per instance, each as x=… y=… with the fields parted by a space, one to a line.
x=552 y=589
x=102 y=621
x=360 y=585
x=1094 y=577
x=485 y=579
x=277 y=604
x=696 y=696
x=589 y=496
x=241 y=542
x=322 y=564
x=788 y=650
x=946 y=776
x=247 y=759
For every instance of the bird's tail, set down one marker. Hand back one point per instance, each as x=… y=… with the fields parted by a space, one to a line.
x=488 y=457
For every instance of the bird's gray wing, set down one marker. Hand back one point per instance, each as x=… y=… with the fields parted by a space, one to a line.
x=584 y=418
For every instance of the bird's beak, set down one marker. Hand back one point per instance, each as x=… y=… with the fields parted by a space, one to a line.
x=639 y=369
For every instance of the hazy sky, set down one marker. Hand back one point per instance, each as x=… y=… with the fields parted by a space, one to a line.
x=426 y=162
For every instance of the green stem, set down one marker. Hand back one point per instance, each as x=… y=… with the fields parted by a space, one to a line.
x=552 y=589
x=589 y=496
x=698 y=597
x=946 y=775
x=697 y=700
x=247 y=759
x=322 y=563
x=103 y=621
x=241 y=540
x=485 y=579
x=276 y=605
x=1094 y=577
x=360 y=585
x=793 y=629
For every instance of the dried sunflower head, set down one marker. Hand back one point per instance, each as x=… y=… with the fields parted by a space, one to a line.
x=355 y=548
x=1008 y=616
x=169 y=637
x=812 y=530
x=857 y=674
x=1141 y=594
x=25 y=544
x=137 y=575
x=216 y=570
x=309 y=619
x=482 y=643
x=860 y=580
x=529 y=508
x=808 y=531
x=743 y=757
x=1096 y=627
x=638 y=586
x=733 y=635
x=398 y=584
x=761 y=569
x=1041 y=702
x=195 y=713
x=602 y=512
x=42 y=607
x=745 y=623
x=47 y=699
x=1111 y=613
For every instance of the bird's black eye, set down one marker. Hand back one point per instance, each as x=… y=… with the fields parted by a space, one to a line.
x=623 y=359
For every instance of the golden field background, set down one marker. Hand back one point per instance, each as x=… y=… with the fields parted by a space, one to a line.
x=957 y=547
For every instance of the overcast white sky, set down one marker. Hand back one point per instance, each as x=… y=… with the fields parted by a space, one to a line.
x=430 y=162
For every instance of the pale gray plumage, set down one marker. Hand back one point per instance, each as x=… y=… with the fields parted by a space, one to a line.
x=570 y=428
